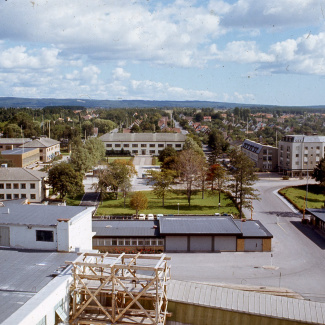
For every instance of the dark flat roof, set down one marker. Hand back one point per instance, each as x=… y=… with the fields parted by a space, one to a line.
x=29 y=214
x=126 y=228
x=17 y=151
x=23 y=273
x=198 y=225
x=318 y=213
x=253 y=228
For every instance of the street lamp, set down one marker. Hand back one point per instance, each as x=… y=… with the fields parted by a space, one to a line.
x=219 y=207
x=178 y=207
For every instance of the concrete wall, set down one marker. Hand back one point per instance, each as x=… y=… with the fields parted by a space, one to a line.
x=24 y=237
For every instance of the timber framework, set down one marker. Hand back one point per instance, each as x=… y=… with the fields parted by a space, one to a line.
x=119 y=289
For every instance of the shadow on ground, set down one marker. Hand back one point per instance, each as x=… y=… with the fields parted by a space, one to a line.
x=310 y=233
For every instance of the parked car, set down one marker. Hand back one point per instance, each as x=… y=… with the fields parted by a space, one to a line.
x=150 y=216
x=159 y=216
x=142 y=216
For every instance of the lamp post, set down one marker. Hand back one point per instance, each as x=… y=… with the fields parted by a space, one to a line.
x=219 y=207
x=178 y=207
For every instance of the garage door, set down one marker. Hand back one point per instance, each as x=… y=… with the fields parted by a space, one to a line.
x=4 y=236
x=225 y=243
x=176 y=243
x=253 y=245
x=200 y=243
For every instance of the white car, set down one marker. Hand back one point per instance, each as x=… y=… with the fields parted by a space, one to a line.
x=159 y=216
x=142 y=216
x=150 y=216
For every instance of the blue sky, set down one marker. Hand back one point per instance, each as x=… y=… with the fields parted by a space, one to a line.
x=247 y=51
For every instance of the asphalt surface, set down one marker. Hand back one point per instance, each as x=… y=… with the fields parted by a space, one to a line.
x=297 y=260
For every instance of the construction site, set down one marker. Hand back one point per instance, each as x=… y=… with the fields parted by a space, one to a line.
x=119 y=289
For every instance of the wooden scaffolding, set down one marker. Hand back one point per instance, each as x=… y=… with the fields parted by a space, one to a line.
x=119 y=289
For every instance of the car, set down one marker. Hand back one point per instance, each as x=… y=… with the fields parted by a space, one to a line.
x=142 y=216
x=150 y=216
x=159 y=215
x=217 y=214
x=227 y=215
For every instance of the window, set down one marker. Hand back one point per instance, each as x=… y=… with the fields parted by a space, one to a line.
x=134 y=151
x=117 y=145
x=160 y=145
x=41 y=150
x=32 y=186
x=23 y=196
x=33 y=196
x=2 y=196
x=152 y=145
x=108 y=145
x=8 y=186
x=169 y=145
x=114 y=242
x=44 y=235
x=297 y=155
x=8 y=196
x=143 y=145
x=23 y=186
x=134 y=145
x=178 y=145
x=16 y=196
x=121 y=242
x=152 y=152
x=1 y=186
x=16 y=186
x=126 y=145
x=317 y=148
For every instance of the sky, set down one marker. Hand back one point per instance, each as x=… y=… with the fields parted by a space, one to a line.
x=246 y=51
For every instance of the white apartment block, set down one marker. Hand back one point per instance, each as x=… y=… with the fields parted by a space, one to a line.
x=299 y=153
x=21 y=183
x=142 y=143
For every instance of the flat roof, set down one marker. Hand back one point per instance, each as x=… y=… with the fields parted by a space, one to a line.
x=198 y=225
x=259 y=304
x=17 y=151
x=318 y=213
x=252 y=228
x=143 y=137
x=13 y=213
x=23 y=273
x=126 y=228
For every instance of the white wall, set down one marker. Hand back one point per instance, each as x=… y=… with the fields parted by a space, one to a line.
x=80 y=231
x=23 y=237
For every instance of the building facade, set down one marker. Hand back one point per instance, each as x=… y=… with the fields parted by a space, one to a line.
x=21 y=157
x=48 y=148
x=142 y=143
x=21 y=183
x=12 y=143
x=300 y=153
x=265 y=157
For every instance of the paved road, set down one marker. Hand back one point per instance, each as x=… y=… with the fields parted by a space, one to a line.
x=298 y=252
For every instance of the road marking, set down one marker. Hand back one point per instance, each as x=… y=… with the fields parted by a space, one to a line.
x=281 y=227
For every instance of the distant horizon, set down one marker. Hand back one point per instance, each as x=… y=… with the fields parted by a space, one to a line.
x=229 y=51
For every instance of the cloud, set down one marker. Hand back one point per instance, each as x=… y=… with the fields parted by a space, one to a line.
x=268 y=13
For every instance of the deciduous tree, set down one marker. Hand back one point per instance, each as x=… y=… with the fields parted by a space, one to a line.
x=138 y=202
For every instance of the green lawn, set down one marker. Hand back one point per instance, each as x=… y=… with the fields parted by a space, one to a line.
x=209 y=205
x=296 y=195
x=74 y=201
x=110 y=159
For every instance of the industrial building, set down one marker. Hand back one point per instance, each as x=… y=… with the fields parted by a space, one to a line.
x=142 y=143
x=181 y=234
x=265 y=157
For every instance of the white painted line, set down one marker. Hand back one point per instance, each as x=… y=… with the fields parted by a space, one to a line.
x=285 y=201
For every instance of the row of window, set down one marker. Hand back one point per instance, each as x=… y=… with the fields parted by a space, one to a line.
x=16 y=196
x=298 y=148
x=143 y=145
x=15 y=186
x=127 y=242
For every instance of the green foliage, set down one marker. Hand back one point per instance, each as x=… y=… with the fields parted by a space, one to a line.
x=167 y=152
x=190 y=144
x=12 y=130
x=161 y=181
x=319 y=172
x=65 y=180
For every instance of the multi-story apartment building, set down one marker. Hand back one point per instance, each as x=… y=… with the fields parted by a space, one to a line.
x=265 y=157
x=300 y=153
x=21 y=183
x=142 y=143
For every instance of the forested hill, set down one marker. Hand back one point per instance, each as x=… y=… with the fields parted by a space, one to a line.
x=92 y=103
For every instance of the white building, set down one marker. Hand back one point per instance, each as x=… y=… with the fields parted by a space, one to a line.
x=21 y=183
x=142 y=143
x=45 y=227
x=299 y=153
x=48 y=148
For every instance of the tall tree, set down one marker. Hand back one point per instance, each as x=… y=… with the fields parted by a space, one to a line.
x=138 y=202
x=202 y=175
x=243 y=179
x=191 y=144
x=217 y=175
x=161 y=182
x=65 y=180
x=188 y=165
x=319 y=172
